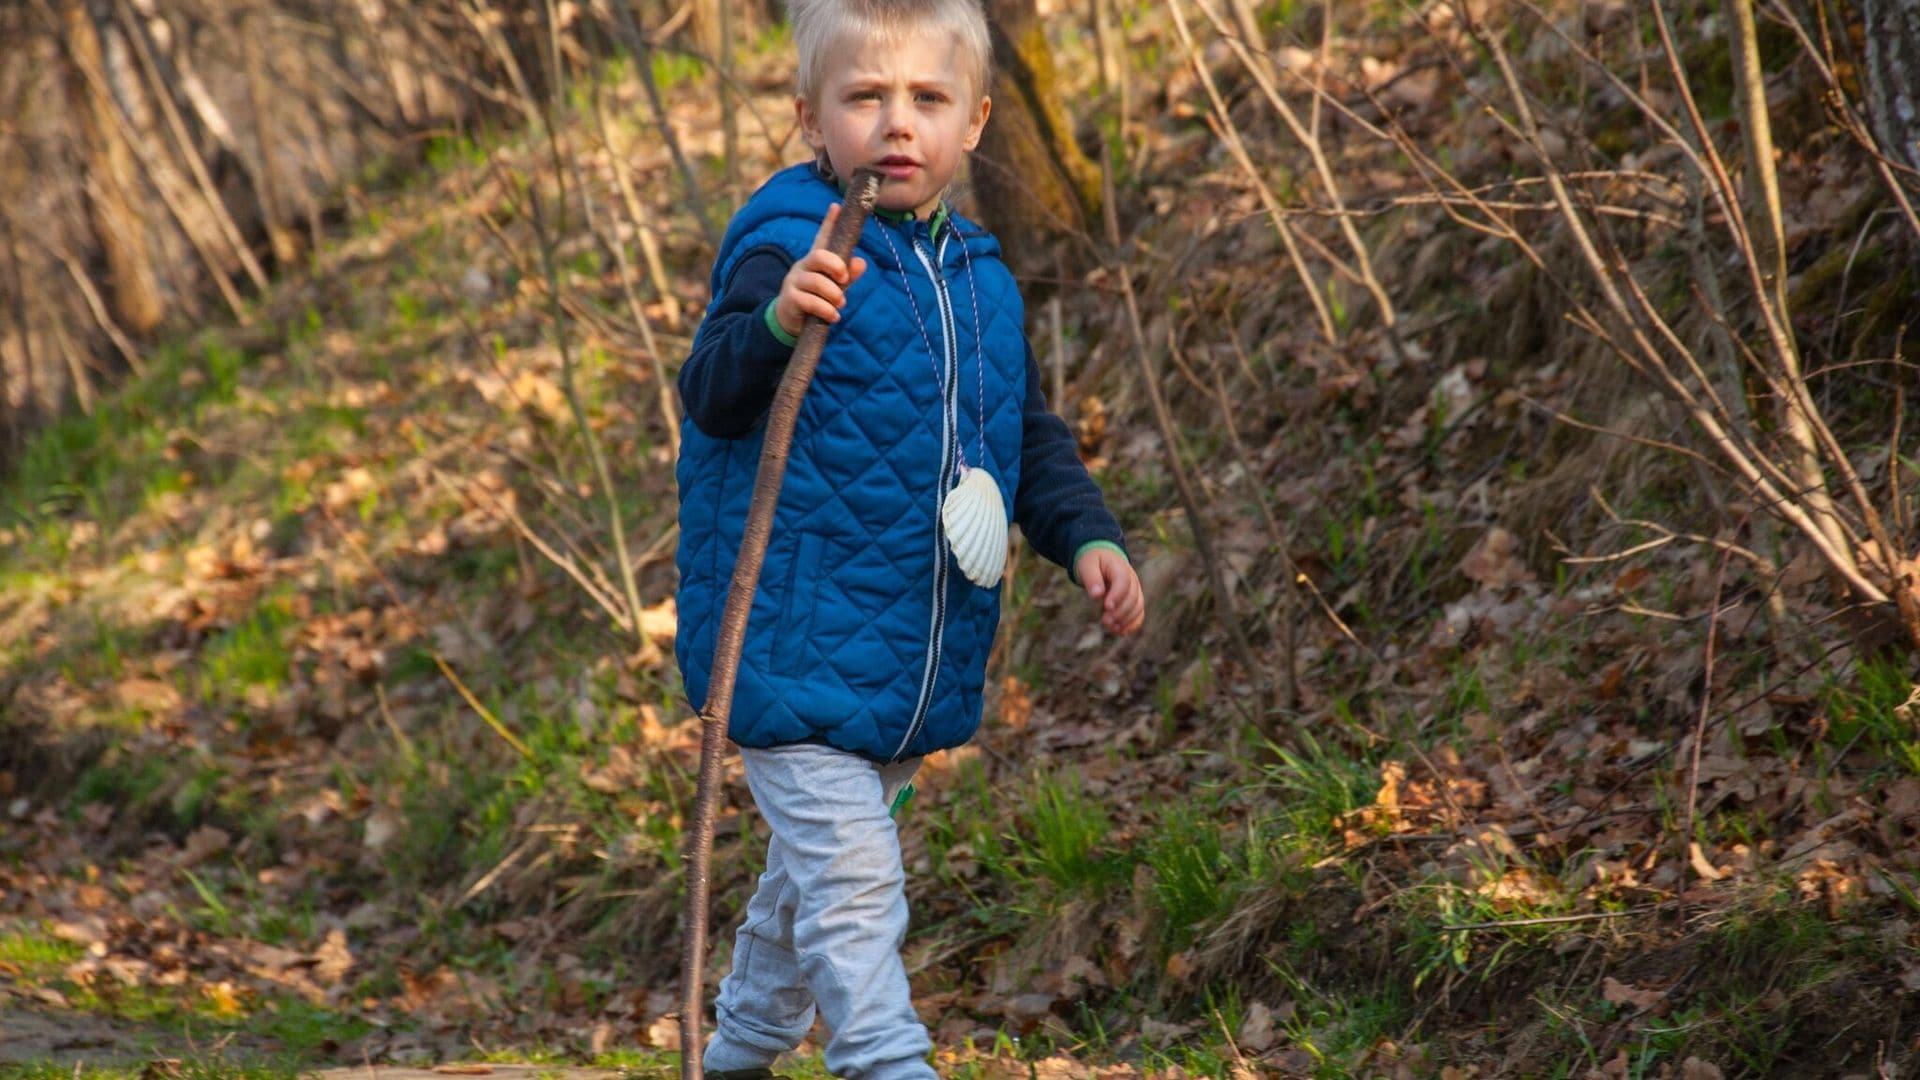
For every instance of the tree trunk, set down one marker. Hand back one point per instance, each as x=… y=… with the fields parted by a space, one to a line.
x=113 y=193
x=1033 y=184
x=707 y=16
x=1892 y=31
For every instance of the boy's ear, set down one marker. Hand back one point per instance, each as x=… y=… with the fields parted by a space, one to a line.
x=809 y=123
x=979 y=122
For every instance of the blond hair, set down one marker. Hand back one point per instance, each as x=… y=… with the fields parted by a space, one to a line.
x=818 y=24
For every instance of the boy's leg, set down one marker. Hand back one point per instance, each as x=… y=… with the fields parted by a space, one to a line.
x=841 y=855
x=764 y=1006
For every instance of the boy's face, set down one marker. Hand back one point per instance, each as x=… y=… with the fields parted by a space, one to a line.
x=903 y=106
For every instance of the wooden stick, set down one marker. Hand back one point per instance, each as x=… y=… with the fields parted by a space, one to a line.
x=861 y=193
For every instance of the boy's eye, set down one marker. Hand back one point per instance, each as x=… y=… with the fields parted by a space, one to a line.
x=931 y=97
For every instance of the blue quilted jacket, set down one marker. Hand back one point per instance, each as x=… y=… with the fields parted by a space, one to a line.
x=864 y=635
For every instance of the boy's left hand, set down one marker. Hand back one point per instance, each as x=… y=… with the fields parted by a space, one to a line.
x=1110 y=582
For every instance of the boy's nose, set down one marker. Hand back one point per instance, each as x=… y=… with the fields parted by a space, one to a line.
x=899 y=117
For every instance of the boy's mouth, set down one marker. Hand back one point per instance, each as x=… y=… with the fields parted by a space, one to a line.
x=896 y=166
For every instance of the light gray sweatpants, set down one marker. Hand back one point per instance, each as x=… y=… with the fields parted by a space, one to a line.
x=825 y=925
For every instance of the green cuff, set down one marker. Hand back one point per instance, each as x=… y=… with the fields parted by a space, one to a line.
x=1074 y=570
x=779 y=332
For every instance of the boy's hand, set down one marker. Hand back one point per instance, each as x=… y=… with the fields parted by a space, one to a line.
x=1110 y=582
x=817 y=284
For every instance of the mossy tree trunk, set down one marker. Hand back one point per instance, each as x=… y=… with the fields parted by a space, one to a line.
x=1034 y=185
x=1892 y=33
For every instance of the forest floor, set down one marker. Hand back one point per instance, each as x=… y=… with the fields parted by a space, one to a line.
x=331 y=735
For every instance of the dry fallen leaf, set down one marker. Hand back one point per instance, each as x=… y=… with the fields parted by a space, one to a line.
x=1702 y=865
x=204 y=842
x=332 y=959
x=1163 y=1034
x=664 y=1033
x=1495 y=562
x=223 y=1000
x=1619 y=993
x=1256 y=1031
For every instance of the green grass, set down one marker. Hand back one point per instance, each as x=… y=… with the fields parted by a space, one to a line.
x=251 y=653
x=35 y=954
x=181 y=788
x=122 y=781
x=302 y=1029
x=456 y=813
x=454 y=153
x=1432 y=951
x=158 y=1006
x=102 y=657
x=463 y=793
x=1751 y=996
x=103 y=466
x=1316 y=786
x=1878 y=709
x=294 y=1026
x=1064 y=838
x=1195 y=871
x=1339 y=1028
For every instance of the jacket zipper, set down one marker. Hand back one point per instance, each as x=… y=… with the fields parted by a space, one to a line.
x=949 y=443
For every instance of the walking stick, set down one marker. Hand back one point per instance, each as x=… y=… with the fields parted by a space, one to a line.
x=861 y=193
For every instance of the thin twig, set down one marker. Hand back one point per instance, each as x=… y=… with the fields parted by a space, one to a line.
x=548 y=241
x=600 y=593
x=628 y=27
x=1323 y=169
x=128 y=351
x=1277 y=536
x=636 y=217
x=1546 y=920
x=1666 y=536
x=1230 y=134
x=1700 y=733
x=1843 y=108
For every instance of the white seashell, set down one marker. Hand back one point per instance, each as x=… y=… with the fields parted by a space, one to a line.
x=975 y=517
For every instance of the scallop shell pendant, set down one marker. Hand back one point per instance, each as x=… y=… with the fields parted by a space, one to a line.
x=975 y=517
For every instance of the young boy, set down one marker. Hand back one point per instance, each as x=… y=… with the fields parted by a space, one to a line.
x=869 y=635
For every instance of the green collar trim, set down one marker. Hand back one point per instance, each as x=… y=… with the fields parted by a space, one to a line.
x=938 y=219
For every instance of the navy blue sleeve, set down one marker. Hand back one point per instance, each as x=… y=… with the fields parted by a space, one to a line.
x=1058 y=506
x=728 y=381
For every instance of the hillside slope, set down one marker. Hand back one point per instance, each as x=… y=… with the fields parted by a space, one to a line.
x=1467 y=739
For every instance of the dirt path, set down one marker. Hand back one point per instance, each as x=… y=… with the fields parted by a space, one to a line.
x=31 y=1037
x=452 y=1072
x=37 y=1037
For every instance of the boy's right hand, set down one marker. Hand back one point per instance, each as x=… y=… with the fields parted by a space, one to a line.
x=817 y=284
